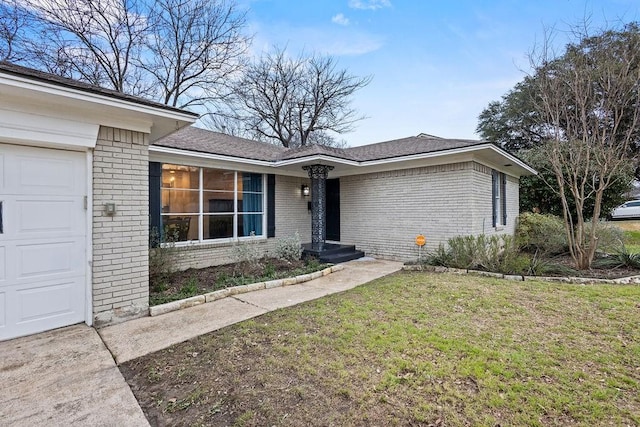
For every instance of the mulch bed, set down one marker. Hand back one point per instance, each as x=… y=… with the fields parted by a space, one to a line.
x=183 y=284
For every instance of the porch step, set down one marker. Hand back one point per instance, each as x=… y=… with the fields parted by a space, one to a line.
x=332 y=253
x=342 y=257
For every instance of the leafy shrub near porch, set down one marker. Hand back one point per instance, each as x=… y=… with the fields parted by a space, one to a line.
x=289 y=248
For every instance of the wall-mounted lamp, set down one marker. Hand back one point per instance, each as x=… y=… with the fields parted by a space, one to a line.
x=305 y=190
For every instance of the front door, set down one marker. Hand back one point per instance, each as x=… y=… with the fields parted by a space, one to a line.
x=333 y=209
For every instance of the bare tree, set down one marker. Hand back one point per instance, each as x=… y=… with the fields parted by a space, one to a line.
x=296 y=101
x=14 y=22
x=196 y=47
x=96 y=41
x=588 y=100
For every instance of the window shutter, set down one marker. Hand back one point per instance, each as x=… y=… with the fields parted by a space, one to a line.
x=155 y=208
x=503 y=196
x=271 y=205
x=494 y=189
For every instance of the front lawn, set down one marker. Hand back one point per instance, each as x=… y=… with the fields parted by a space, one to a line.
x=411 y=349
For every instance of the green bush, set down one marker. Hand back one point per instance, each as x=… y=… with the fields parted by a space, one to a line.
x=496 y=253
x=610 y=236
x=542 y=234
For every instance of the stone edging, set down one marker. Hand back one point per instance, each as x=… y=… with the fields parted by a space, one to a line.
x=157 y=310
x=517 y=277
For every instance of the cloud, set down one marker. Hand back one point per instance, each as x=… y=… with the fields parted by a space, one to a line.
x=369 y=4
x=340 y=19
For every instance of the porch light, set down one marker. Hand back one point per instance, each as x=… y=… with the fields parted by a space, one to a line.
x=305 y=190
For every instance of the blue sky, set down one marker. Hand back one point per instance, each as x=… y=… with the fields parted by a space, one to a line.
x=435 y=64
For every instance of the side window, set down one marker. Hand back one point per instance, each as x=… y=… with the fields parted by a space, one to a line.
x=499 y=200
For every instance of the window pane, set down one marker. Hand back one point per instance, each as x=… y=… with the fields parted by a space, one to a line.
x=249 y=182
x=180 y=201
x=176 y=176
x=217 y=179
x=218 y=226
x=248 y=223
x=249 y=202
x=179 y=228
x=218 y=201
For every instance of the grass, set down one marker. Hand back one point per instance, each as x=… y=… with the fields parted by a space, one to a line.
x=631 y=229
x=411 y=349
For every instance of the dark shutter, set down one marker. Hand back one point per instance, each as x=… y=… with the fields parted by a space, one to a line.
x=503 y=200
x=271 y=205
x=155 y=208
x=494 y=189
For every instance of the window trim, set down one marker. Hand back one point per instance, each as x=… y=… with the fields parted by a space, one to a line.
x=201 y=214
x=499 y=199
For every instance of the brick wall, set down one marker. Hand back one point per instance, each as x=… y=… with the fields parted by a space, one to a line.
x=381 y=213
x=291 y=216
x=483 y=206
x=120 y=242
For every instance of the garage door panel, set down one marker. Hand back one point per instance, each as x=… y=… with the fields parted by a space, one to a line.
x=47 y=259
x=42 y=217
x=47 y=300
x=42 y=175
x=30 y=170
x=43 y=260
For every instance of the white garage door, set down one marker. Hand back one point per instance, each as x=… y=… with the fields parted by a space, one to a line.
x=42 y=239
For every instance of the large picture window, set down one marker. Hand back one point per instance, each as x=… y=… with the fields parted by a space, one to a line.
x=204 y=204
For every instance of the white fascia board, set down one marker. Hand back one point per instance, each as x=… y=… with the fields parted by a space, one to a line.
x=35 y=129
x=514 y=159
x=141 y=112
x=317 y=158
x=464 y=150
x=195 y=158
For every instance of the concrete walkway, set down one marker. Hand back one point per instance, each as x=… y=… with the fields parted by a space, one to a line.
x=68 y=377
x=64 y=377
x=138 y=337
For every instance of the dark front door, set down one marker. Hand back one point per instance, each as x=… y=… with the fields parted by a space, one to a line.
x=333 y=209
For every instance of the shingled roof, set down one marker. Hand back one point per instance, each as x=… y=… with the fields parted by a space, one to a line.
x=205 y=141
x=420 y=144
x=17 y=70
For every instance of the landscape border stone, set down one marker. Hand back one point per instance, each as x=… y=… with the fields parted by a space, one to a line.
x=630 y=280
x=157 y=310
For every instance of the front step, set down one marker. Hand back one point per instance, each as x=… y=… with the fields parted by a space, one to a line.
x=332 y=253
x=341 y=257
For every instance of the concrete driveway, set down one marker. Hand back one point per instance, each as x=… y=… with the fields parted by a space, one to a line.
x=61 y=378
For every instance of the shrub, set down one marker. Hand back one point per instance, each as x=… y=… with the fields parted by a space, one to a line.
x=463 y=252
x=440 y=257
x=541 y=233
x=610 y=236
x=289 y=248
x=162 y=259
x=247 y=254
